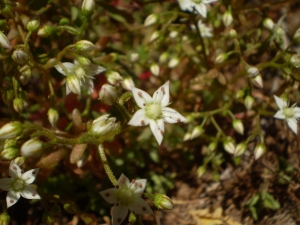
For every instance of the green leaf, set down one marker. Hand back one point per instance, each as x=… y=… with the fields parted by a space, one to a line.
x=270 y=202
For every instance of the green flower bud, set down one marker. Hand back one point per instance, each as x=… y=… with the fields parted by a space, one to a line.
x=249 y=102
x=113 y=77
x=11 y=130
x=162 y=201
x=4 y=218
x=64 y=21
x=20 y=56
x=18 y=104
x=32 y=148
x=268 y=24
x=227 y=18
x=84 y=45
x=108 y=94
x=4 y=42
x=295 y=60
x=229 y=146
x=173 y=63
x=154 y=68
x=88 y=7
x=25 y=74
x=240 y=149
x=103 y=125
x=8 y=12
x=221 y=58
x=9 y=153
x=83 y=61
x=163 y=57
x=259 y=150
x=150 y=20
x=45 y=31
x=128 y=83
x=53 y=116
x=238 y=126
x=198 y=130
x=10 y=143
x=154 y=35
x=33 y=25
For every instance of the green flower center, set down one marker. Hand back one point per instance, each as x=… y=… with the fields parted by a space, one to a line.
x=18 y=185
x=79 y=72
x=125 y=195
x=288 y=112
x=153 y=111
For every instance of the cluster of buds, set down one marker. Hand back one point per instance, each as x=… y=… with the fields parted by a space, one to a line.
x=10 y=150
x=238 y=150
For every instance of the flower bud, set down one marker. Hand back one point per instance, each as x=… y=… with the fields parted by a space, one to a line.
x=227 y=18
x=53 y=116
x=108 y=94
x=229 y=146
x=249 y=102
x=201 y=171
x=10 y=143
x=187 y=136
x=221 y=58
x=173 y=34
x=84 y=45
x=113 y=77
x=268 y=23
x=259 y=150
x=8 y=12
x=198 y=130
x=295 y=60
x=103 y=125
x=233 y=33
x=238 y=126
x=212 y=146
x=150 y=20
x=83 y=61
x=19 y=161
x=162 y=201
x=45 y=31
x=252 y=72
x=33 y=25
x=258 y=81
x=154 y=36
x=25 y=74
x=20 y=56
x=297 y=35
x=134 y=57
x=4 y=218
x=154 y=68
x=240 y=149
x=18 y=104
x=73 y=84
x=173 y=63
x=32 y=148
x=9 y=153
x=4 y=42
x=88 y=6
x=11 y=130
x=163 y=57
x=128 y=83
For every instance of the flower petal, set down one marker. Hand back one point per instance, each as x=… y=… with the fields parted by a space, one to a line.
x=123 y=180
x=30 y=193
x=280 y=102
x=12 y=198
x=69 y=67
x=138 y=186
x=93 y=70
x=119 y=214
x=296 y=112
x=292 y=123
x=14 y=170
x=185 y=5
x=139 y=119
x=30 y=176
x=5 y=184
x=201 y=9
x=141 y=98
x=172 y=116
x=162 y=95
x=140 y=206
x=156 y=131
x=279 y=115
x=89 y=85
x=110 y=195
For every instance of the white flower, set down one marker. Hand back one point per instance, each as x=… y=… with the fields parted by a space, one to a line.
x=204 y=30
x=79 y=76
x=126 y=196
x=197 y=5
x=154 y=111
x=290 y=114
x=19 y=184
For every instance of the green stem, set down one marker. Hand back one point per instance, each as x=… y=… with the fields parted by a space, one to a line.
x=123 y=110
x=108 y=170
x=217 y=126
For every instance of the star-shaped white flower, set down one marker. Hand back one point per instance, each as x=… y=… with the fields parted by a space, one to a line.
x=126 y=196
x=19 y=184
x=79 y=76
x=290 y=114
x=154 y=111
x=195 y=5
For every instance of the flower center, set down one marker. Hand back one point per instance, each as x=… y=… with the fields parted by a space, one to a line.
x=153 y=111
x=288 y=112
x=125 y=196
x=18 y=185
x=197 y=1
x=79 y=72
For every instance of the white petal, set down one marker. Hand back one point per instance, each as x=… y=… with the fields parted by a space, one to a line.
x=185 y=5
x=296 y=112
x=14 y=170
x=119 y=214
x=293 y=124
x=209 y=1
x=93 y=70
x=172 y=116
x=69 y=67
x=67 y=90
x=140 y=206
x=123 y=180
x=5 y=184
x=110 y=195
x=156 y=131
x=30 y=176
x=30 y=193
x=139 y=119
x=141 y=97
x=138 y=186
x=279 y=115
x=161 y=125
x=12 y=198
x=280 y=102
x=201 y=9
x=162 y=95
x=89 y=84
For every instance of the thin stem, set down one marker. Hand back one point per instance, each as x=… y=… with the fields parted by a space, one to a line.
x=108 y=170
x=122 y=110
x=217 y=126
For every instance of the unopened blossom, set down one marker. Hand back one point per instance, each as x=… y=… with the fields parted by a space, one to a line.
x=126 y=196
x=150 y=20
x=19 y=184
x=11 y=130
x=195 y=5
x=88 y=6
x=154 y=111
x=259 y=150
x=4 y=42
x=79 y=76
x=289 y=114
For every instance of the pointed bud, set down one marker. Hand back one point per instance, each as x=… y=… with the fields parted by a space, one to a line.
x=154 y=68
x=212 y=146
x=70 y=208
x=88 y=7
x=20 y=56
x=252 y=72
x=201 y=171
x=295 y=60
x=258 y=81
x=33 y=25
x=296 y=36
x=73 y=84
x=134 y=57
x=18 y=104
x=173 y=63
x=233 y=33
x=10 y=143
x=103 y=125
x=83 y=61
x=221 y=58
x=163 y=57
x=53 y=116
x=9 y=153
x=19 y=161
x=249 y=102
x=239 y=94
x=113 y=77
x=259 y=150
x=150 y=20
x=25 y=74
x=11 y=130
x=198 y=130
x=8 y=12
x=108 y=94
x=268 y=24
x=84 y=45
x=240 y=149
x=128 y=83
x=238 y=126
x=32 y=148
x=154 y=36
x=229 y=146
x=162 y=201
x=45 y=31
x=4 y=218
x=173 y=34
x=227 y=18
x=187 y=137
x=4 y=42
